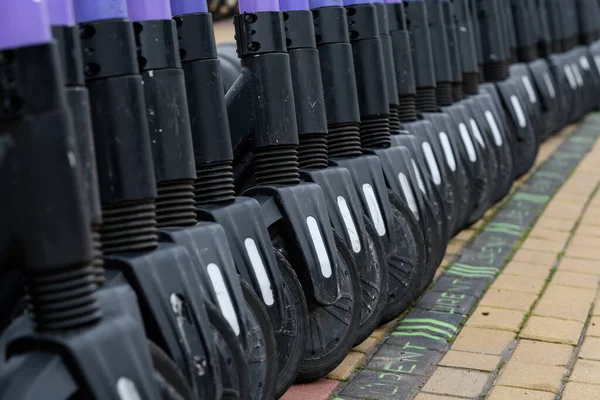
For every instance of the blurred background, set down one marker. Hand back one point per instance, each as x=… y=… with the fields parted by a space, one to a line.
x=222 y=11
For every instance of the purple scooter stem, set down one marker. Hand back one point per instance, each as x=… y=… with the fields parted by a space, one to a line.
x=61 y=12
x=293 y=5
x=357 y=2
x=148 y=10
x=325 y=3
x=95 y=10
x=252 y=6
x=181 y=7
x=392 y=1
x=23 y=23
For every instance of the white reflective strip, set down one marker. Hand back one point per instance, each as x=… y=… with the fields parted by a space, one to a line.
x=585 y=64
x=477 y=132
x=349 y=223
x=466 y=138
x=260 y=271
x=374 y=210
x=317 y=239
x=529 y=89
x=519 y=111
x=418 y=174
x=448 y=151
x=549 y=85
x=578 y=76
x=223 y=297
x=127 y=390
x=408 y=193
x=489 y=116
x=597 y=61
x=570 y=77
x=432 y=163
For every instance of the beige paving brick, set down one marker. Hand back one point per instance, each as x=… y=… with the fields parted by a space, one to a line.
x=578 y=265
x=367 y=346
x=550 y=235
x=552 y=330
x=457 y=382
x=590 y=349
x=534 y=352
x=586 y=371
x=593 y=328
x=347 y=367
x=596 y=308
x=499 y=298
x=575 y=279
x=429 y=396
x=381 y=332
x=519 y=284
x=486 y=341
x=528 y=270
x=584 y=241
x=463 y=359
x=580 y=391
x=464 y=235
x=585 y=252
x=563 y=211
x=591 y=231
x=496 y=318
x=455 y=247
x=546 y=378
x=565 y=303
x=511 y=393
x=534 y=257
x=555 y=224
x=542 y=245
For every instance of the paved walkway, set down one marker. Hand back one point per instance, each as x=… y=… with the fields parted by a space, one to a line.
x=511 y=315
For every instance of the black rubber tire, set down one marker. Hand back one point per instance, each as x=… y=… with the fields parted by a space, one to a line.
x=171 y=382
x=232 y=360
x=405 y=262
x=320 y=359
x=290 y=352
x=262 y=350
x=374 y=283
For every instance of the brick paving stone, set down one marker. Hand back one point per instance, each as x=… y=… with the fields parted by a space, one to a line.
x=499 y=298
x=459 y=285
x=511 y=393
x=586 y=371
x=583 y=240
x=549 y=235
x=547 y=246
x=591 y=231
x=457 y=382
x=578 y=265
x=429 y=396
x=486 y=341
x=379 y=386
x=381 y=332
x=552 y=330
x=534 y=257
x=546 y=378
x=585 y=252
x=574 y=279
x=318 y=390
x=555 y=224
x=453 y=303
x=580 y=391
x=534 y=352
x=454 y=247
x=593 y=328
x=495 y=318
x=565 y=303
x=527 y=270
x=347 y=367
x=590 y=349
x=519 y=284
x=367 y=346
x=464 y=235
x=463 y=359
x=400 y=360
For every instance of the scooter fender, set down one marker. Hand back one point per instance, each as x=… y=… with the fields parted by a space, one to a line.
x=367 y=175
x=169 y=298
x=546 y=87
x=345 y=209
x=566 y=86
x=112 y=358
x=251 y=249
x=214 y=270
x=304 y=211
x=532 y=103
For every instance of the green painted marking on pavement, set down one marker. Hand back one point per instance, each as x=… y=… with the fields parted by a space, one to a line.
x=425 y=327
x=532 y=198
x=422 y=334
x=474 y=268
x=431 y=321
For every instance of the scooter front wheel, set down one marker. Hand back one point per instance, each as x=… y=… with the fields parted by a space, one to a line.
x=169 y=379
